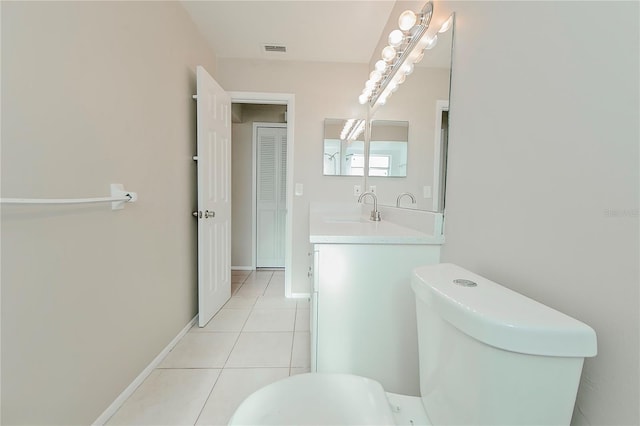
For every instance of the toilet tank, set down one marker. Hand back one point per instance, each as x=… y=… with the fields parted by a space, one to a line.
x=491 y=356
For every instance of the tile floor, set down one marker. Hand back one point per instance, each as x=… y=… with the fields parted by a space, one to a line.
x=258 y=337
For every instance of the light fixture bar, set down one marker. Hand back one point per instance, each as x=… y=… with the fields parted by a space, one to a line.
x=356 y=130
x=374 y=90
x=416 y=35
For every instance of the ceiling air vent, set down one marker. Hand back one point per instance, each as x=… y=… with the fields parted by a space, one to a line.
x=270 y=48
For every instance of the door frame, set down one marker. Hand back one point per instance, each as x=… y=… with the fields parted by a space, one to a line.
x=254 y=189
x=441 y=106
x=287 y=99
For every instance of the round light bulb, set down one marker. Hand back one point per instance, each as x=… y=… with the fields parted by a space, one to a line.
x=367 y=91
x=446 y=25
x=362 y=99
x=417 y=56
x=432 y=42
x=381 y=66
x=375 y=76
x=370 y=84
x=395 y=38
x=407 y=68
x=400 y=78
x=407 y=20
x=388 y=54
x=423 y=42
x=392 y=86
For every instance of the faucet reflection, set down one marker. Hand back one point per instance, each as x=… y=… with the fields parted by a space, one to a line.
x=410 y=195
x=375 y=214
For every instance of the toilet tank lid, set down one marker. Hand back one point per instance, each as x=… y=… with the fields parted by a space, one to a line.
x=500 y=317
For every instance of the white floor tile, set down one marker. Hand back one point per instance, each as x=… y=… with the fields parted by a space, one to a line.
x=237 y=279
x=260 y=276
x=251 y=289
x=167 y=397
x=238 y=302
x=259 y=337
x=201 y=350
x=270 y=320
x=275 y=289
x=261 y=350
x=299 y=370
x=270 y=302
x=302 y=320
x=300 y=352
x=233 y=386
x=226 y=320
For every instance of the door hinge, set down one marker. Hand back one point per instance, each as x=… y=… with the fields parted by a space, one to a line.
x=195 y=96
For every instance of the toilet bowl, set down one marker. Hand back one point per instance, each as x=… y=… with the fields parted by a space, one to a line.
x=487 y=356
x=328 y=399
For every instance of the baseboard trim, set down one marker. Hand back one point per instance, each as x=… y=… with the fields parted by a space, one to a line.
x=242 y=268
x=299 y=295
x=117 y=403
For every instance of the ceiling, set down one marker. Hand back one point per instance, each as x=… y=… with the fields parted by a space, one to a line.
x=324 y=30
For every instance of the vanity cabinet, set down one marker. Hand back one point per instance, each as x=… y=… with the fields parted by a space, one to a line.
x=363 y=317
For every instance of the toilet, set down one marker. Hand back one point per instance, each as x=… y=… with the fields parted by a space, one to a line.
x=487 y=356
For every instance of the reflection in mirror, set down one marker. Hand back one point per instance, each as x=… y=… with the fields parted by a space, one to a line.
x=388 y=148
x=423 y=101
x=343 y=147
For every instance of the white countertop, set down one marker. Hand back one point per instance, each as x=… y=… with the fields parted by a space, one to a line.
x=351 y=228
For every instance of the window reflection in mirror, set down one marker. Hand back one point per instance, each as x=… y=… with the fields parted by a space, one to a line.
x=388 y=148
x=343 y=147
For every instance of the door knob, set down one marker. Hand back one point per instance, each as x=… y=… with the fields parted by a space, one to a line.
x=197 y=214
x=208 y=214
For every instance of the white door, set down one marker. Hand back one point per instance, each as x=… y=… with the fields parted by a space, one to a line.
x=271 y=194
x=214 y=196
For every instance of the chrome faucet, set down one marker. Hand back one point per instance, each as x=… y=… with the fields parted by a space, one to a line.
x=413 y=199
x=375 y=214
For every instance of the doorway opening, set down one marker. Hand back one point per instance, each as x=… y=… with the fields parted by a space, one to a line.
x=262 y=175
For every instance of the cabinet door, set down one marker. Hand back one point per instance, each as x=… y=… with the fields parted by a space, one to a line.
x=313 y=313
x=366 y=316
x=314 y=335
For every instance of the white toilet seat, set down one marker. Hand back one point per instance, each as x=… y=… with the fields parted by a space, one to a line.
x=317 y=399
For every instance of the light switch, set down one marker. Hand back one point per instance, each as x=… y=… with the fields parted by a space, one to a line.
x=357 y=190
x=427 y=191
x=298 y=189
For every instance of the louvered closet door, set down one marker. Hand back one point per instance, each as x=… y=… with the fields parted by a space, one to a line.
x=271 y=196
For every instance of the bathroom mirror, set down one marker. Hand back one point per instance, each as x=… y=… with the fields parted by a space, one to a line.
x=388 y=147
x=423 y=102
x=343 y=150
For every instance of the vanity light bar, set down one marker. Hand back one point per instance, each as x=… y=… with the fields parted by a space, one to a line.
x=406 y=48
x=352 y=129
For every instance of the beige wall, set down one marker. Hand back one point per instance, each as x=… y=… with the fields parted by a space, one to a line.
x=241 y=180
x=94 y=93
x=322 y=90
x=543 y=185
x=542 y=191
